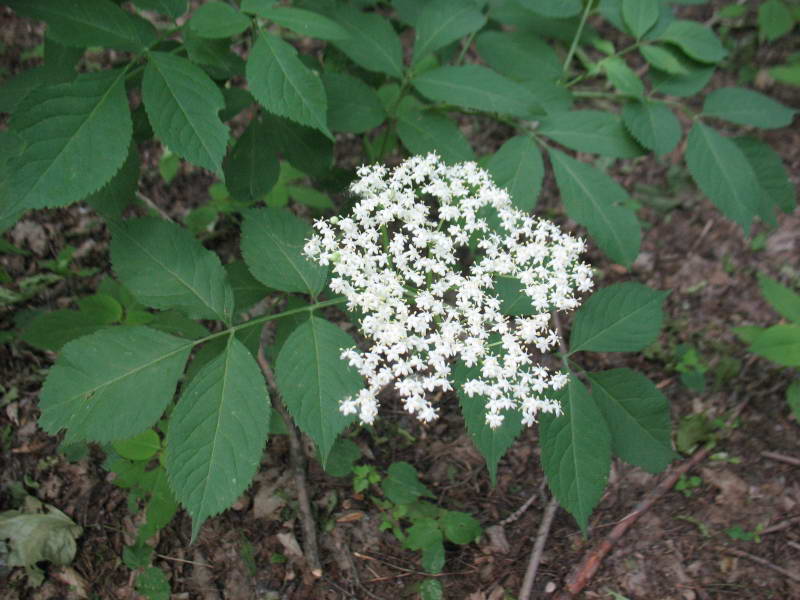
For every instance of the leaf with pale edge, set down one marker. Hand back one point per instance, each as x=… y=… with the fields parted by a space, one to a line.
x=113 y=384
x=624 y=317
x=284 y=85
x=252 y=167
x=776 y=187
x=164 y=266
x=653 y=125
x=442 y=22
x=373 y=43
x=491 y=443
x=576 y=452
x=723 y=173
x=637 y=415
x=313 y=380
x=182 y=104
x=590 y=131
x=518 y=167
x=77 y=136
x=596 y=201
x=747 y=107
x=217 y=433
x=272 y=247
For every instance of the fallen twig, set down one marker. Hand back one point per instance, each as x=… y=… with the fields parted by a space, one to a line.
x=538 y=549
x=297 y=460
x=790 y=460
x=762 y=561
x=780 y=526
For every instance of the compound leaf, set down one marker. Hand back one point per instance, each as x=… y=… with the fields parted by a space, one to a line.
x=695 y=39
x=284 y=85
x=112 y=384
x=640 y=15
x=217 y=433
x=313 y=380
x=182 y=104
x=115 y=196
x=747 y=107
x=653 y=125
x=776 y=187
x=164 y=266
x=442 y=22
x=373 y=43
x=76 y=137
x=590 y=131
x=517 y=166
x=252 y=167
x=519 y=55
x=624 y=317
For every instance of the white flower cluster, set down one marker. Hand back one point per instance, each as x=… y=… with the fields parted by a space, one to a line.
x=399 y=258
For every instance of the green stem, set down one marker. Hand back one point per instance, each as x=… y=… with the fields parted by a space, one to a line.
x=464 y=48
x=577 y=36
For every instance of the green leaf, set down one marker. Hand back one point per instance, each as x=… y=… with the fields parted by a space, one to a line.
x=373 y=43
x=518 y=167
x=653 y=125
x=590 y=131
x=97 y=374
x=624 y=79
x=442 y=22
x=34 y=536
x=77 y=136
x=748 y=333
x=747 y=107
x=313 y=380
x=513 y=299
x=423 y=533
x=139 y=447
x=52 y=330
x=310 y=197
x=624 y=317
x=596 y=201
x=214 y=55
x=722 y=172
x=785 y=301
x=684 y=85
x=247 y=290
x=788 y=74
x=402 y=486
x=477 y=87
x=303 y=22
x=424 y=131
x=153 y=584
x=491 y=443
x=640 y=15
x=774 y=20
x=172 y=8
x=344 y=454
x=637 y=415
x=460 y=527
x=353 y=106
x=252 y=167
x=695 y=39
x=164 y=266
x=780 y=344
x=576 y=452
x=560 y=9
x=177 y=324
x=272 y=247
x=518 y=54
x=431 y=589
x=182 y=104
x=305 y=148
x=217 y=433
x=85 y=23
x=115 y=196
x=218 y=20
x=663 y=58
x=793 y=399
x=284 y=85
x=776 y=187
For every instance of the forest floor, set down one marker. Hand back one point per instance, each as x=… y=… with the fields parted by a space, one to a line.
x=684 y=547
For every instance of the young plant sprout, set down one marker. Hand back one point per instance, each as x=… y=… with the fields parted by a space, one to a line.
x=399 y=259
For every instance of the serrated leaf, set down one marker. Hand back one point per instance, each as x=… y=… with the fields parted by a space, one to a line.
x=252 y=167
x=272 y=247
x=590 y=131
x=696 y=79
x=622 y=77
x=247 y=290
x=424 y=131
x=747 y=107
x=85 y=23
x=518 y=54
x=640 y=15
x=695 y=39
x=491 y=443
x=780 y=344
x=52 y=330
x=373 y=43
x=305 y=148
x=517 y=166
x=164 y=266
x=214 y=55
x=353 y=106
x=776 y=187
x=217 y=433
x=172 y=8
x=301 y=21
x=774 y=20
x=664 y=59
x=139 y=447
x=402 y=486
x=653 y=125
x=785 y=301
x=97 y=374
x=722 y=172
x=442 y=22
x=477 y=87
x=576 y=452
x=218 y=20
x=313 y=380
x=175 y=323
x=77 y=136
x=120 y=191
x=637 y=416
x=561 y=9
x=284 y=85
x=597 y=202
x=550 y=97
x=182 y=104
x=624 y=317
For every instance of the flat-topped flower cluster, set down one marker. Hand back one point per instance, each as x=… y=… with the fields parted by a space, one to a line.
x=401 y=259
